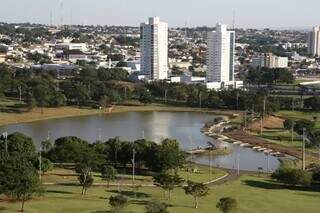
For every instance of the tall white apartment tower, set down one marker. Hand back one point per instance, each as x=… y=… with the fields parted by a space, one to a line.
x=154 y=48
x=314 y=42
x=220 y=55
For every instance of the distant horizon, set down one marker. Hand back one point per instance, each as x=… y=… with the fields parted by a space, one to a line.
x=307 y=28
x=245 y=14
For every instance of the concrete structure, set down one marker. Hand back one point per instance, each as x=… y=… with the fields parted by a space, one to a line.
x=154 y=49
x=189 y=79
x=220 y=56
x=2 y=58
x=314 y=41
x=72 y=46
x=273 y=61
x=269 y=60
x=134 y=65
x=258 y=62
x=224 y=85
x=221 y=59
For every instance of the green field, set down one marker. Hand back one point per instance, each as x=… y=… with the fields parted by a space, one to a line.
x=302 y=115
x=253 y=195
x=202 y=174
x=282 y=137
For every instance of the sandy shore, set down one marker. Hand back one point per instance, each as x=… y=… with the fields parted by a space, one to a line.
x=61 y=112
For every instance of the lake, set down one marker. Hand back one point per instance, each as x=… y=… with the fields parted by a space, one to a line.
x=156 y=126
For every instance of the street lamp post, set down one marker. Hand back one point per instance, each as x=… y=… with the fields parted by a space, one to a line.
x=40 y=162
x=165 y=96
x=238 y=164
x=237 y=100
x=5 y=135
x=303 y=150
x=133 y=165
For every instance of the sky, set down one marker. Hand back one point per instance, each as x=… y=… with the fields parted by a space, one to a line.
x=178 y=13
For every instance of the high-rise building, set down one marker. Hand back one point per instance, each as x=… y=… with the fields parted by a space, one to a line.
x=220 y=55
x=154 y=49
x=314 y=42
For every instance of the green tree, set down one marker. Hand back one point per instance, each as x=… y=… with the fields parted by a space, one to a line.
x=288 y=124
x=118 y=203
x=85 y=177
x=46 y=145
x=69 y=150
x=312 y=103
x=167 y=182
x=108 y=173
x=303 y=124
x=81 y=94
x=196 y=190
x=145 y=96
x=227 y=205
x=46 y=165
x=316 y=173
x=113 y=147
x=171 y=157
x=104 y=101
x=18 y=178
x=122 y=64
x=21 y=144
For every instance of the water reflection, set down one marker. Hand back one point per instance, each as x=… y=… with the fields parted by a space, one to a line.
x=183 y=126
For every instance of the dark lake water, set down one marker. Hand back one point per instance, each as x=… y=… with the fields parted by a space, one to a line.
x=183 y=126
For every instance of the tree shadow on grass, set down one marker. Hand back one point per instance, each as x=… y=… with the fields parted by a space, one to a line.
x=139 y=202
x=59 y=192
x=309 y=195
x=275 y=185
x=131 y=194
x=64 y=175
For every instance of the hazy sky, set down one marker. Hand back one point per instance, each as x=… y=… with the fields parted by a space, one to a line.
x=249 y=13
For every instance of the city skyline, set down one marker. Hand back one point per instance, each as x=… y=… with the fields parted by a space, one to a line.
x=125 y=12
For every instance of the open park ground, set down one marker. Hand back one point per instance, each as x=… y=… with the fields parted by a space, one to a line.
x=253 y=194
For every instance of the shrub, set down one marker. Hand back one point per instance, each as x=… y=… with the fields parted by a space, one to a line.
x=227 y=205
x=292 y=176
x=156 y=207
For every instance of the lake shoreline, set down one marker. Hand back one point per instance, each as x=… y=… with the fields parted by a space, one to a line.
x=72 y=111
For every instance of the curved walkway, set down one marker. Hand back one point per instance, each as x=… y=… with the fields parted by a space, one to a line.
x=219 y=180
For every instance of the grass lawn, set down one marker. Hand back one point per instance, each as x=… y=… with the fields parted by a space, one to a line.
x=300 y=115
x=9 y=105
x=253 y=195
x=282 y=137
x=66 y=176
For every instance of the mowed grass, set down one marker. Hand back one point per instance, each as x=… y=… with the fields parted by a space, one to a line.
x=253 y=195
x=282 y=137
x=203 y=174
x=300 y=115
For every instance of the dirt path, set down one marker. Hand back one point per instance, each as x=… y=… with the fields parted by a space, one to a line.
x=232 y=175
x=256 y=141
x=70 y=111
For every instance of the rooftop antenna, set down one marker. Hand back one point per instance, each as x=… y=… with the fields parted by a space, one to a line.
x=233 y=19
x=71 y=17
x=61 y=12
x=185 y=30
x=51 y=17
